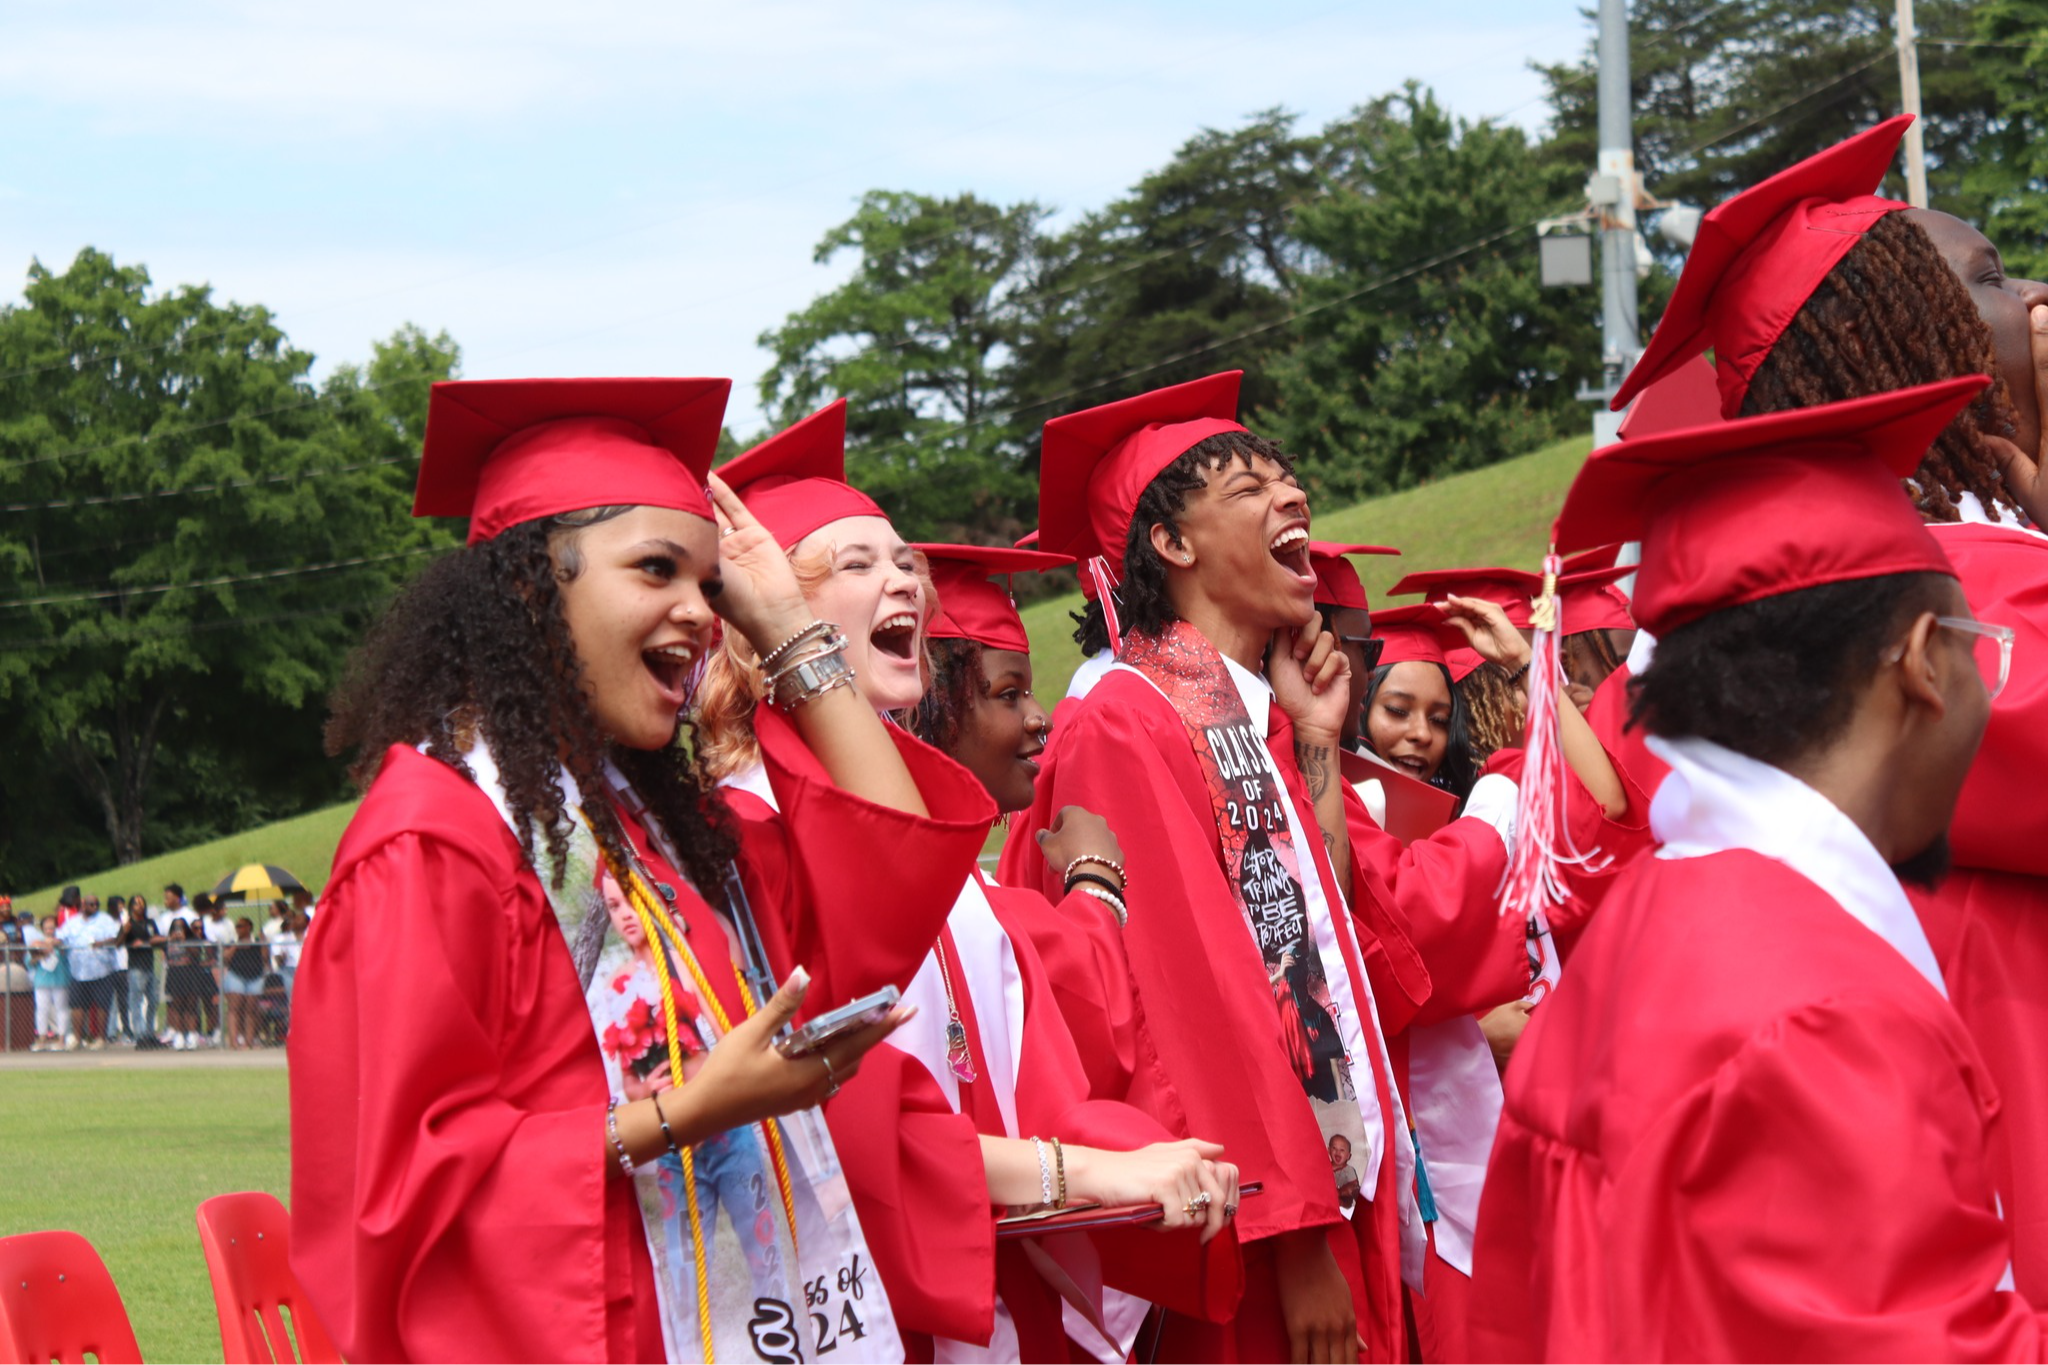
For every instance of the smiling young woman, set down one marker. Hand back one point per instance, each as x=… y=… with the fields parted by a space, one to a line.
x=515 y=1125
x=941 y=1133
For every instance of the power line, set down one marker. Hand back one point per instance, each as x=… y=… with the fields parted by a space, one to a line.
x=105 y=499
x=226 y=579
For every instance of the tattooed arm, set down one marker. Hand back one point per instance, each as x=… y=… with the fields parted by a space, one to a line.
x=1318 y=761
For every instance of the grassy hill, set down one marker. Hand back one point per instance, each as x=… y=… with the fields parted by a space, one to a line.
x=1497 y=515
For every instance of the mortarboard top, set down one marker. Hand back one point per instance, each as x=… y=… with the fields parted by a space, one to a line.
x=1511 y=590
x=506 y=451
x=1420 y=633
x=1758 y=257
x=1588 y=600
x=795 y=481
x=971 y=607
x=1094 y=464
x=1688 y=396
x=1742 y=510
x=1599 y=557
x=1337 y=582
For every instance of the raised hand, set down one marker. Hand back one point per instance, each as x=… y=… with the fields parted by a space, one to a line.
x=1486 y=627
x=1311 y=682
x=2026 y=471
x=1076 y=832
x=761 y=598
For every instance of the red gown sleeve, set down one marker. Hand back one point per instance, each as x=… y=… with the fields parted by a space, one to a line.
x=449 y=1190
x=860 y=890
x=1781 y=1211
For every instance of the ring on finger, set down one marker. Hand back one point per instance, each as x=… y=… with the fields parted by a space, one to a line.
x=1229 y=1212
x=831 y=1077
x=1193 y=1208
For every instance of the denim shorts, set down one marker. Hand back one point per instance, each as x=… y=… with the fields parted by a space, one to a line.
x=230 y=984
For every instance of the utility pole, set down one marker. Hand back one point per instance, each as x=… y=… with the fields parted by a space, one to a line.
x=1909 y=100
x=1613 y=191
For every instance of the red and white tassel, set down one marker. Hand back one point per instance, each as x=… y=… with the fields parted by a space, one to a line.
x=1543 y=843
x=1105 y=592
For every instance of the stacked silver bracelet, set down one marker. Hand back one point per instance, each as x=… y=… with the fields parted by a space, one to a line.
x=805 y=667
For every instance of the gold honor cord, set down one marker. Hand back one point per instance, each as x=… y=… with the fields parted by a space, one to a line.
x=661 y=934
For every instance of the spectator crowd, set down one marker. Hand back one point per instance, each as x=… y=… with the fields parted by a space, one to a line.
x=180 y=975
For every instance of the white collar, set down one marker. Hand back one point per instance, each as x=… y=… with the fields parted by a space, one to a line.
x=1970 y=512
x=1252 y=689
x=1716 y=799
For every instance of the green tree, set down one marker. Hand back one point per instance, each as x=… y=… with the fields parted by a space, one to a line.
x=1191 y=272
x=917 y=342
x=2008 y=175
x=192 y=534
x=1425 y=343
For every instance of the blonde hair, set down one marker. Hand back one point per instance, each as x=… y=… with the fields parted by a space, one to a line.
x=731 y=687
x=1496 y=715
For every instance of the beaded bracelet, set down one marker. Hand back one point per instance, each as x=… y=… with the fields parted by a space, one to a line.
x=1518 y=674
x=611 y=1130
x=1116 y=906
x=656 y=1097
x=828 y=639
x=774 y=656
x=1044 y=1174
x=1112 y=864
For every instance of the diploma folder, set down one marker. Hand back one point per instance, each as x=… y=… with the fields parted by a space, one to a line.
x=1087 y=1217
x=1415 y=810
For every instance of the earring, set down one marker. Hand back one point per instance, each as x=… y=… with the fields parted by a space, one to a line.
x=1187 y=559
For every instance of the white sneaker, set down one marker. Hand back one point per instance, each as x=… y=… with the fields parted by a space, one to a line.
x=71 y=1042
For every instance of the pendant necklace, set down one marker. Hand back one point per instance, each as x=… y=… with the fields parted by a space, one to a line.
x=957 y=1055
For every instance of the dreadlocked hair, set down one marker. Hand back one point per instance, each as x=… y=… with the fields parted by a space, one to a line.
x=1459 y=770
x=479 y=645
x=1889 y=316
x=1778 y=678
x=1496 y=714
x=1142 y=604
x=956 y=680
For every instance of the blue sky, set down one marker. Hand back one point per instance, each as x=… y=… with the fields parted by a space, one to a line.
x=600 y=188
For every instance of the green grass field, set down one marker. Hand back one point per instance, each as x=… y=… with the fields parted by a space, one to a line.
x=1497 y=515
x=124 y=1157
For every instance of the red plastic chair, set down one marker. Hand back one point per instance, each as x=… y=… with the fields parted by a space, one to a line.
x=247 y=1239
x=57 y=1302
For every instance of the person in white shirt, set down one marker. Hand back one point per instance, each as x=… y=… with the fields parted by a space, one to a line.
x=284 y=931
x=88 y=938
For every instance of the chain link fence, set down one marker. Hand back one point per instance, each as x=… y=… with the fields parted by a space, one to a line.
x=192 y=995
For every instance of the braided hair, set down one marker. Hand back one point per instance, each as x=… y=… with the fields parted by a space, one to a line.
x=1142 y=603
x=1889 y=316
x=941 y=714
x=478 y=644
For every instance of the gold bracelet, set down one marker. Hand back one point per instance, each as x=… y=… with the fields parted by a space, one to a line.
x=1059 y=1166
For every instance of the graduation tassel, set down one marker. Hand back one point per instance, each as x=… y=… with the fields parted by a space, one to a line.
x=1543 y=846
x=1105 y=593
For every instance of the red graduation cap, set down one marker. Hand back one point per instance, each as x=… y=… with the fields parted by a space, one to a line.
x=506 y=451
x=1600 y=557
x=1337 y=582
x=1422 y=634
x=1758 y=258
x=973 y=608
x=1094 y=464
x=1588 y=600
x=1511 y=590
x=1753 y=508
x=795 y=481
x=1688 y=396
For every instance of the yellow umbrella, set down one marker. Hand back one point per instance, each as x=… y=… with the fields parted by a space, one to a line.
x=253 y=882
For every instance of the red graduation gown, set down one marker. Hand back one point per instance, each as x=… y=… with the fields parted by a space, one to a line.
x=1988 y=923
x=1204 y=1055
x=451 y=1192
x=1720 y=1153
x=915 y=1167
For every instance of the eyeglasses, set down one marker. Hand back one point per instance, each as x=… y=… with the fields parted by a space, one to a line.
x=1370 y=647
x=1991 y=647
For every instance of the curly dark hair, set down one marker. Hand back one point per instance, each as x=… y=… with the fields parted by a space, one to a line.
x=1891 y=315
x=941 y=714
x=1141 y=599
x=1496 y=717
x=1778 y=678
x=1459 y=770
x=479 y=642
